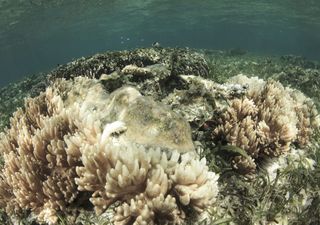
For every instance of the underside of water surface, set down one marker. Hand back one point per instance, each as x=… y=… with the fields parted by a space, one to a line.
x=38 y=35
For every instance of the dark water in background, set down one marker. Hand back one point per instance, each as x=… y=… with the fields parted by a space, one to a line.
x=36 y=35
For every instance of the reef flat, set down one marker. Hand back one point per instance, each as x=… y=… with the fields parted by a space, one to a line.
x=250 y=122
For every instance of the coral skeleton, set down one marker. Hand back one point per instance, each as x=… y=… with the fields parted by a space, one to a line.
x=75 y=137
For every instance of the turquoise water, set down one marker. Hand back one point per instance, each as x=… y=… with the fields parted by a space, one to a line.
x=37 y=35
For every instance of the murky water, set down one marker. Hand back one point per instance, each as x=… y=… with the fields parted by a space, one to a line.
x=36 y=35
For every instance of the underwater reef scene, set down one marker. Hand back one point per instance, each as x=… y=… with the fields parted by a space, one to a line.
x=163 y=136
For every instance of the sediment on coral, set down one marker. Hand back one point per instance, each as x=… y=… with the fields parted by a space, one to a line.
x=75 y=137
x=266 y=122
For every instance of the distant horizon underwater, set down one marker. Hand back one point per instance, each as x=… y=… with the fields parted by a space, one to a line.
x=38 y=35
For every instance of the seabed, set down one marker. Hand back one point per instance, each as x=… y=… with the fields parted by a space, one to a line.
x=283 y=189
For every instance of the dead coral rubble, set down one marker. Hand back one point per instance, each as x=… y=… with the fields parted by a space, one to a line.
x=71 y=139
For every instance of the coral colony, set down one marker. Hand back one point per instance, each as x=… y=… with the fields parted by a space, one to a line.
x=58 y=147
x=119 y=152
x=266 y=121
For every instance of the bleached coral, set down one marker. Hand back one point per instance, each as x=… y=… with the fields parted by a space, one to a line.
x=36 y=172
x=159 y=210
x=194 y=184
x=140 y=177
x=266 y=121
x=75 y=137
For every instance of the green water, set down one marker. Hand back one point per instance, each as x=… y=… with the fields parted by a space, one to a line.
x=37 y=35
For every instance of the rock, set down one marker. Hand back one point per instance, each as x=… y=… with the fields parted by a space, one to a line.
x=147 y=122
x=179 y=61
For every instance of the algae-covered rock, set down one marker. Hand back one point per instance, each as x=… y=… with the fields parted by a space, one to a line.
x=198 y=98
x=179 y=61
x=148 y=122
x=172 y=61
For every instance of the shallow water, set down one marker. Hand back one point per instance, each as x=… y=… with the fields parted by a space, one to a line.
x=37 y=35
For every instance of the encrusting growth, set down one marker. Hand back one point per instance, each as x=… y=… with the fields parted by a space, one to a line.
x=76 y=137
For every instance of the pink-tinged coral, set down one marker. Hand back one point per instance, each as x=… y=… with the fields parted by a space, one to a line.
x=266 y=121
x=76 y=137
x=140 y=177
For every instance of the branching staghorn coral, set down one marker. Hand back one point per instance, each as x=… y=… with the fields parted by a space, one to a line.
x=266 y=121
x=75 y=137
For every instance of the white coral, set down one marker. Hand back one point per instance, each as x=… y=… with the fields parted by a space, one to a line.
x=194 y=184
x=129 y=174
x=266 y=121
x=158 y=182
x=135 y=171
x=74 y=138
